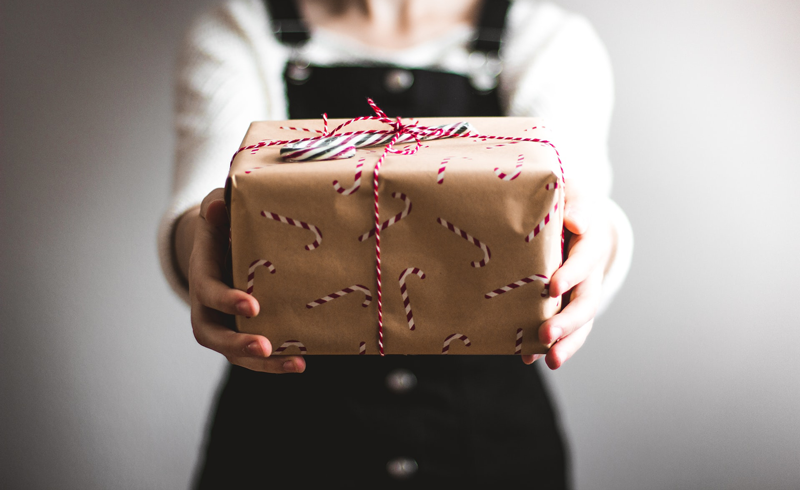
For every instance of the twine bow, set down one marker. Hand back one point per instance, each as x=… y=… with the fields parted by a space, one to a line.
x=332 y=145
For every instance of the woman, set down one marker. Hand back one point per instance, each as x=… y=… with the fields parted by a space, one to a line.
x=400 y=419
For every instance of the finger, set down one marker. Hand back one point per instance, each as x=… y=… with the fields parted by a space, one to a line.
x=206 y=276
x=580 y=310
x=578 y=207
x=530 y=359
x=213 y=293
x=565 y=348
x=254 y=352
x=249 y=351
x=215 y=330
x=210 y=291
x=275 y=365
x=217 y=214
x=217 y=194
x=586 y=254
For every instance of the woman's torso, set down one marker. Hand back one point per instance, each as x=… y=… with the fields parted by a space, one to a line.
x=358 y=421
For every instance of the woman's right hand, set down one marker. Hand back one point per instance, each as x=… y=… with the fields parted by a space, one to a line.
x=202 y=236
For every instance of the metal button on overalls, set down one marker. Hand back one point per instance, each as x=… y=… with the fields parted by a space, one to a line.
x=398 y=80
x=401 y=381
x=402 y=468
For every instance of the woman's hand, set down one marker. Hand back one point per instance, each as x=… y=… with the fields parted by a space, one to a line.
x=591 y=249
x=201 y=244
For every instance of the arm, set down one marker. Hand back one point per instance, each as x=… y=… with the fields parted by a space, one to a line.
x=220 y=89
x=558 y=69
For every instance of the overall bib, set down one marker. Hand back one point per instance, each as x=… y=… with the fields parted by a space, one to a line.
x=394 y=421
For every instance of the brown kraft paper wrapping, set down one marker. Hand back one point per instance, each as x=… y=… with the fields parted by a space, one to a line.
x=291 y=272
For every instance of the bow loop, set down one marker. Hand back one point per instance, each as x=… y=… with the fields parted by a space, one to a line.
x=333 y=145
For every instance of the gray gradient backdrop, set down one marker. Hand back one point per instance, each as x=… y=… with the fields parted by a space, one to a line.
x=689 y=381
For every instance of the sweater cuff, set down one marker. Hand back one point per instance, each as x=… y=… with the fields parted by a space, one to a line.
x=616 y=273
x=166 y=247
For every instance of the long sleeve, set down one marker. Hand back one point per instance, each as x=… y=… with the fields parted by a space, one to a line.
x=557 y=68
x=228 y=75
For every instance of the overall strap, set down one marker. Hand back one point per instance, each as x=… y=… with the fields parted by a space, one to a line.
x=491 y=24
x=485 y=62
x=287 y=25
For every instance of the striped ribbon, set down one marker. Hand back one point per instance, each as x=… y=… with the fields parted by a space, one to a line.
x=332 y=144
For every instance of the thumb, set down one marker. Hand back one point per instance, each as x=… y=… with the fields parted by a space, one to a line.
x=213 y=209
x=217 y=214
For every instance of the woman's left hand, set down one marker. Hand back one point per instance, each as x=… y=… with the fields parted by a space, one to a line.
x=590 y=250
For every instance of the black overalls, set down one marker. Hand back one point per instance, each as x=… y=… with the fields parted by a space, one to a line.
x=352 y=421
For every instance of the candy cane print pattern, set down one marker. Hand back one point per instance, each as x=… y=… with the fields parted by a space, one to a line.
x=518 y=346
x=538 y=228
x=356 y=181
x=440 y=175
x=517 y=170
x=520 y=283
x=251 y=272
x=394 y=219
x=442 y=167
x=550 y=187
x=404 y=293
x=339 y=294
x=299 y=224
x=501 y=145
x=452 y=337
x=362 y=349
x=487 y=254
x=291 y=343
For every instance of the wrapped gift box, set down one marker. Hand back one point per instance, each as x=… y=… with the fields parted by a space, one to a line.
x=471 y=234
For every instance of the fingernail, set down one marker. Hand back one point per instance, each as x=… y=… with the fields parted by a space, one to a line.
x=289 y=367
x=254 y=349
x=243 y=308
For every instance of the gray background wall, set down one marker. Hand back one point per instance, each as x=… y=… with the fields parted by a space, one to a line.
x=689 y=381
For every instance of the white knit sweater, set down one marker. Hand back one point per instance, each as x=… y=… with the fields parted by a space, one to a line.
x=230 y=68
